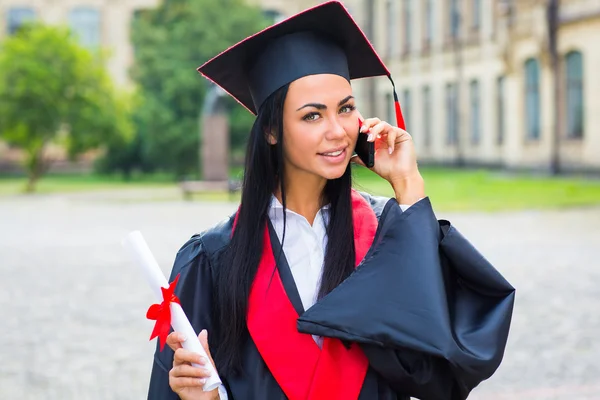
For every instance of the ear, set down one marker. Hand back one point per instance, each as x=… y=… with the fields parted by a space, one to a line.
x=271 y=137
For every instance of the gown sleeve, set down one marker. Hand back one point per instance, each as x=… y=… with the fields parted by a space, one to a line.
x=430 y=312
x=194 y=290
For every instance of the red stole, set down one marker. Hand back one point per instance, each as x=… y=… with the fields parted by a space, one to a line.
x=301 y=369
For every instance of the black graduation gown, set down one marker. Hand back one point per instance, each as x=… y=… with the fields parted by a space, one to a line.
x=431 y=314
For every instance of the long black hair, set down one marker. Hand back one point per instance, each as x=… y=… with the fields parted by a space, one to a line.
x=237 y=268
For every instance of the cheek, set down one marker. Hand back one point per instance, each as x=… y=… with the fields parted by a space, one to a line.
x=301 y=141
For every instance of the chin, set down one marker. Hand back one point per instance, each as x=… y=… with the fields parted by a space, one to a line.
x=333 y=173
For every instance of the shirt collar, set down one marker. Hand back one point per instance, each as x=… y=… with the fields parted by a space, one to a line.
x=276 y=205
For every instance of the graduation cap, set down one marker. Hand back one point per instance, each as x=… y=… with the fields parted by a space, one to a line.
x=321 y=40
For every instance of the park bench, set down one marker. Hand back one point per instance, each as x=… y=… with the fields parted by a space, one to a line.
x=189 y=188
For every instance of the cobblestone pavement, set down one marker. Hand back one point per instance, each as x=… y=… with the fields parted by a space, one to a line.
x=72 y=306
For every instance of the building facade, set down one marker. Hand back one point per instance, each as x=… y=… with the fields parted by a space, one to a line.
x=475 y=78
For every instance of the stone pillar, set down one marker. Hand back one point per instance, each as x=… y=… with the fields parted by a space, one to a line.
x=215 y=147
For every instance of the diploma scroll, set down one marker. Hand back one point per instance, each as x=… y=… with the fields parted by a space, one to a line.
x=139 y=251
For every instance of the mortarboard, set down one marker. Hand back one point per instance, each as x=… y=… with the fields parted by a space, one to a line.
x=321 y=40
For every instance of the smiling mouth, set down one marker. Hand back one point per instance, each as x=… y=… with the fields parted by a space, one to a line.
x=333 y=153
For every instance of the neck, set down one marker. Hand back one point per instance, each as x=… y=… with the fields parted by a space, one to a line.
x=303 y=194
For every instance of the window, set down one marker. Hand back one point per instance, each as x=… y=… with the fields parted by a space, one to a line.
x=85 y=23
x=451 y=114
x=274 y=16
x=428 y=33
x=475 y=112
x=475 y=14
x=391 y=109
x=454 y=18
x=406 y=12
x=532 y=99
x=574 y=91
x=500 y=110
x=18 y=16
x=406 y=108
x=392 y=32
x=427 y=117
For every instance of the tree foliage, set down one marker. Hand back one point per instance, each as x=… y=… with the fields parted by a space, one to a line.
x=170 y=42
x=52 y=90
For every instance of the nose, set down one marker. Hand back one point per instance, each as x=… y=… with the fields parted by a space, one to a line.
x=336 y=130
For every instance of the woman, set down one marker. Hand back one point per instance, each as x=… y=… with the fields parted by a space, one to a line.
x=312 y=290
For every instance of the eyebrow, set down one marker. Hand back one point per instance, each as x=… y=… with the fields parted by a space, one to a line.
x=320 y=106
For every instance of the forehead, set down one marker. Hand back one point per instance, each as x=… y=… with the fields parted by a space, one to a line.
x=322 y=88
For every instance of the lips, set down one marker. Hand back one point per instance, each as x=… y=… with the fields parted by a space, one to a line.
x=333 y=152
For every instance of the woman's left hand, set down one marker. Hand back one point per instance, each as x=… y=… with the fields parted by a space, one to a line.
x=395 y=159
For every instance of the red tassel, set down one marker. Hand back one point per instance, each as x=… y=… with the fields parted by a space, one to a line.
x=399 y=118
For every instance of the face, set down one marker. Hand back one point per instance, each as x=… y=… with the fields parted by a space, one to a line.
x=320 y=125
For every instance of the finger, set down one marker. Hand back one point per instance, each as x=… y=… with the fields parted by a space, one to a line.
x=369 y=123
x=175 y=339
x=188 y=371
x=181 y=383
x=356 y=159
x=391 y=140
x=183 y=356
x=379 y=130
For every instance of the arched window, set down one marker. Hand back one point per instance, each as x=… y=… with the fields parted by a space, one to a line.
x=532 y=99
x=574 y=92
x=85 y=23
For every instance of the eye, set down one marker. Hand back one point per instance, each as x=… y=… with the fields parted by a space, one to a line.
x=313 y=116
x=348 y=108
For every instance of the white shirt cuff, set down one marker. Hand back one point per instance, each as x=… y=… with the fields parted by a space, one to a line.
x=222 y=393
x=405 y=207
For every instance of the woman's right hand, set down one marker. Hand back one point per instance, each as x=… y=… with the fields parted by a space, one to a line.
x=186 y=380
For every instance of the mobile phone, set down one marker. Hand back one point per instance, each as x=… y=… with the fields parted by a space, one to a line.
x=365 y=150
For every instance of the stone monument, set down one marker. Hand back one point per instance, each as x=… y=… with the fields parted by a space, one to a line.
x=214 y=143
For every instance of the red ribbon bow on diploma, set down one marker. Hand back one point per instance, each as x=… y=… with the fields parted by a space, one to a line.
x=161 y=313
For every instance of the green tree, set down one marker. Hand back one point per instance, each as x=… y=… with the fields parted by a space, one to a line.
x=170 y=42
x=52 y=90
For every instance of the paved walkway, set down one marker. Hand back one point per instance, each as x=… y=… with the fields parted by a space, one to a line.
x=73 y=307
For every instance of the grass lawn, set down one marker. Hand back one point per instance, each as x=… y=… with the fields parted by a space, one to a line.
x=449 y=189
x=460 y=190
x=80 y=183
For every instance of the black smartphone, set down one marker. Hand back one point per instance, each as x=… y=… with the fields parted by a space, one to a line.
x=365 y=150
